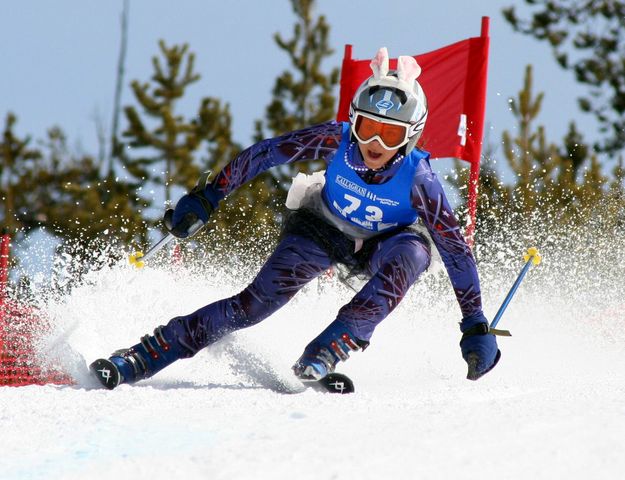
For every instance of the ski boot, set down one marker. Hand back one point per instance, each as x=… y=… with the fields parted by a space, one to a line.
x=141 y=361
x=324 y=352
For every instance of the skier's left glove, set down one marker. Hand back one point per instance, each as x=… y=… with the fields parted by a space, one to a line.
x=479 y=348
x=197 y=205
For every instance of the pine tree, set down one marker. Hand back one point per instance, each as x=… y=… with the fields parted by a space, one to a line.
x=302 y=96
x=171 y=147
x=528 y=154
x=554 y=185
x=578 y=188
x=587 y=38
x=16 y=160
x=65 y=194
x=616 y=195
x=49 y=188
x=565 y=183
x=305 y=96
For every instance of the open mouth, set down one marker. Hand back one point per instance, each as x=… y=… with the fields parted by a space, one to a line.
x=373 y=155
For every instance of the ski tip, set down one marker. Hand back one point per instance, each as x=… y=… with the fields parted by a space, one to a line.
x=106 y=372
x=337 y=383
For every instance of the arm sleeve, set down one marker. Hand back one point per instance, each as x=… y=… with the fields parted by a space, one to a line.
x=318 y=142
x=429 y=200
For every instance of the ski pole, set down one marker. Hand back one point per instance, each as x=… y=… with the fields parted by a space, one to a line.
x=190 y=224
x=138 y=258
x=531 y=257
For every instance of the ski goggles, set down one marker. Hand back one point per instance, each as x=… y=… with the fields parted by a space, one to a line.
x=391 y=134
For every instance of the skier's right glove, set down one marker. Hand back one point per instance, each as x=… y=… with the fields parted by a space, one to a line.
x=479 y=348
x=197 y=205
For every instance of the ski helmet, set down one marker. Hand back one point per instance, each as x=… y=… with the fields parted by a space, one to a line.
x=391 y=96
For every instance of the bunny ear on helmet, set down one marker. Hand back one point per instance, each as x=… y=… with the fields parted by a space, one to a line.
x=379 y=64
x=408 y=69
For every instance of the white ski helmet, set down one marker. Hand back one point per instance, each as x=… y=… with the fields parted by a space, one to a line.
x=394 y=97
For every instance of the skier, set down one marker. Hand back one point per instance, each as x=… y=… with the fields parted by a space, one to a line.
x=359 y=214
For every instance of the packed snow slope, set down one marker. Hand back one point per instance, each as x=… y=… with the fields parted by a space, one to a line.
x=552 y=409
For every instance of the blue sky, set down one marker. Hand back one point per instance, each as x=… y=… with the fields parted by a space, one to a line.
x=59 y=58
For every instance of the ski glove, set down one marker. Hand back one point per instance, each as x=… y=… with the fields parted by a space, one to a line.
x=479 y=348
x=197 y=205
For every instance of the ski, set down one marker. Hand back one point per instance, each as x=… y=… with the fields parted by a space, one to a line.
x=106 y=372
x=109 y=377
x=332 y=383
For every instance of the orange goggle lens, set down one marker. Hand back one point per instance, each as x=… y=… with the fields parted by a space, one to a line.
x=392 y=135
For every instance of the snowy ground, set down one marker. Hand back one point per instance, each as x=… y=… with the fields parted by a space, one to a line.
x=554 y=407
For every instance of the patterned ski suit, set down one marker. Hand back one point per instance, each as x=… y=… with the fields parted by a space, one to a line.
x=362 y=207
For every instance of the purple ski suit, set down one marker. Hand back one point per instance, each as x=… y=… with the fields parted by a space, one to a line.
x=395 y=255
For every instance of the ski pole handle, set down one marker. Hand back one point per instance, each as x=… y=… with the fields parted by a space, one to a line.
x=188 y=226
x=531 y=257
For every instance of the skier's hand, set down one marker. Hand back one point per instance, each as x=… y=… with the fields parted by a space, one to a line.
x=191 y=208
x=479 y=348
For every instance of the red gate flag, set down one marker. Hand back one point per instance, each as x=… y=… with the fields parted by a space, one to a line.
x=454 y=81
